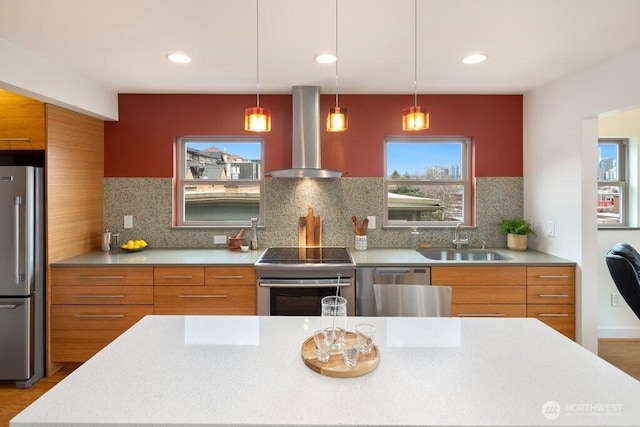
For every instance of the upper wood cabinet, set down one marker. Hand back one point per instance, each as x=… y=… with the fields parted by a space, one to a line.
x=22 y=122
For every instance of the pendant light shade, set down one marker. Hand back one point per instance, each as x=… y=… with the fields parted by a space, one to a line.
x=416 y=117
x=257 y=119
x=337 y=119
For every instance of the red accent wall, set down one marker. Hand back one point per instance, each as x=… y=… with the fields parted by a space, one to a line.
x=141 y=143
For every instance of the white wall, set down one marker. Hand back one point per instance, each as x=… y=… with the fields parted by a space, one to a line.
x=27 y=74
x=560 y=154
x=619 y=322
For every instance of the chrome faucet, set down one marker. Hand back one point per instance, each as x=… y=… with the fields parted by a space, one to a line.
x=459 y=242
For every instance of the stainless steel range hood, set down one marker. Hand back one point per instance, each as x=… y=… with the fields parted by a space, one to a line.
x=305 y=152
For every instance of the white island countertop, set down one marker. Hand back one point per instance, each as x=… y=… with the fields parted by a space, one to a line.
x=247 y=370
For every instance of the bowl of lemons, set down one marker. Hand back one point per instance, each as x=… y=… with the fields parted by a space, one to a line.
x=134 y=246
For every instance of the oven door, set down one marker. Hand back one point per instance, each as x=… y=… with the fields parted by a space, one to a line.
x=300 y=297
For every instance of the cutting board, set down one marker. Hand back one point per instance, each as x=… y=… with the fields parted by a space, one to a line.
x=310 y=229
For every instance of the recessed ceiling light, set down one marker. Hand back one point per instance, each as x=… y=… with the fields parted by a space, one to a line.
x=179 y=58
x=326 y=58
x=476 y=58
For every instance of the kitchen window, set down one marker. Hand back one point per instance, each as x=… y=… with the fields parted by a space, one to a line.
x=612 y=202
x=427 y=181
x=219 y=181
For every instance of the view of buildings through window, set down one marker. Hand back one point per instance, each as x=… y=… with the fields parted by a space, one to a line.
x=426 y=181
x=220 y=181
x=611 y=205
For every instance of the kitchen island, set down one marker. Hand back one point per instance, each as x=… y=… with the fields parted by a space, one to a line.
x=248 y=370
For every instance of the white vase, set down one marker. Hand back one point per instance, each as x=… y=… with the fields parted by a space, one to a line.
x=517 y=242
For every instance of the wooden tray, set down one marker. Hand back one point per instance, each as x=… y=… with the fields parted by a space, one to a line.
x=335 y=366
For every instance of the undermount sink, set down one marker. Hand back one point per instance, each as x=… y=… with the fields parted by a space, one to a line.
x=462 y=255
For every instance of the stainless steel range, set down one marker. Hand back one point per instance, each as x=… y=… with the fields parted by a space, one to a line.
x=292 y=280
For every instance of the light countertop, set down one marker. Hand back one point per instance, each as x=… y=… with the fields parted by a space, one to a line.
x=369 y=257
x=248 y=370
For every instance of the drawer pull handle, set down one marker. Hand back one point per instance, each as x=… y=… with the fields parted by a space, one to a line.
x=202 y=296
x=552 y=276
x=481 y=314
x=553 y=315
x=100 y=296
x=553 y=295
x=101 y=277
x=229 y=277
x=177 y=277
x=99 y=316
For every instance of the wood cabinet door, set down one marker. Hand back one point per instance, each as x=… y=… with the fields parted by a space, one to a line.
x=78 y=332
x=222 y=299
x=478 y=275
x=230 y=275
x=188 y=276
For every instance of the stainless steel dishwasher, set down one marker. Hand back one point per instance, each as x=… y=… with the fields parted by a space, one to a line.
x=366 y=277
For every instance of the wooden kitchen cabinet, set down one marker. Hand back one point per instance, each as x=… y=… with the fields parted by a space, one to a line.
x=551 y=297
x=484 y=291
x=93 y=306
x=22 y=122
x=205 y=290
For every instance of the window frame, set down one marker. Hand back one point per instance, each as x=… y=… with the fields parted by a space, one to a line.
x=623 y=172
x=181 y=181
x=465 y=181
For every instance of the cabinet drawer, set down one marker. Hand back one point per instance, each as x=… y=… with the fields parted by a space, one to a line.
x=489 y=295
x=488 y=310
x=104 y=276
x=558 y=294
x=560 y=317
x=230 y=276
x=78 y=332
x=178 y=276
x=100 y=295
x=551 y=275
x=224 y=299
x=478 y=275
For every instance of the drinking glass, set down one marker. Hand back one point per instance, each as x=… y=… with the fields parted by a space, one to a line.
x=365 y=334
x=323 y=342
x=350 y=351
x=334 y=319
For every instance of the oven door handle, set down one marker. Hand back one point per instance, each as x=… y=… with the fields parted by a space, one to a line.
x=295 y=283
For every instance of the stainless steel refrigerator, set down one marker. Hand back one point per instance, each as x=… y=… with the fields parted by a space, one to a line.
x=22 y=289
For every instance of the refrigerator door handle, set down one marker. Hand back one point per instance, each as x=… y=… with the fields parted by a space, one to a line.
x=16 y=237
x=7 y=306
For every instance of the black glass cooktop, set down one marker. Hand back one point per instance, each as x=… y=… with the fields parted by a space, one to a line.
x=306 y=255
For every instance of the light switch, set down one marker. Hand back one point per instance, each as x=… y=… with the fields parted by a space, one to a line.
x=372 y=222
x=551 y=228
x=128 y=221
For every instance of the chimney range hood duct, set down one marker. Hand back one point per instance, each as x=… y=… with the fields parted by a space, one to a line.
x=305 y=152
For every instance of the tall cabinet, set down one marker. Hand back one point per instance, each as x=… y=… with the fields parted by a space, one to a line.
x=73 y=146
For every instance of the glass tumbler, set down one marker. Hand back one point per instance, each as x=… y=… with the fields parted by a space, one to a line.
x=334 y=319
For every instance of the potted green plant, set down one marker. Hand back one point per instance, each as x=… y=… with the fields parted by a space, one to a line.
x=517 y=230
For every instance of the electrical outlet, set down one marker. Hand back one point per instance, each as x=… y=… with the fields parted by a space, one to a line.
x=615 y=300
x=219 y=240
x=128 y=221
x=372 y=222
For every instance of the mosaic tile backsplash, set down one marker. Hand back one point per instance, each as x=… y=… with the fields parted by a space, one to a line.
x=149 y=201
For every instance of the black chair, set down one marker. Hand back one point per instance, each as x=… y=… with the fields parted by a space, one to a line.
x=623 y=262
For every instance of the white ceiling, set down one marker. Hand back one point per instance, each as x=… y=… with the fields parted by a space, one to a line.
x=121 y=44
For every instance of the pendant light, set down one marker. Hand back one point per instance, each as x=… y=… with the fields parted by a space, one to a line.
x=257 y=119
x=337 y=118
x=415 y=118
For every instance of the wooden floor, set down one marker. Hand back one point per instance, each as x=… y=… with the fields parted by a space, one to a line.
x=625 y=354
x=13 y=400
